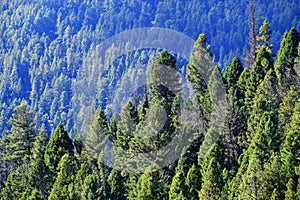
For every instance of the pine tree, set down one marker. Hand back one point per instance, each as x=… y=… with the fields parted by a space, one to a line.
x=284 y=66
x=162 y=86
x=65 y=177
x=92 y=189
x=290 y=151
x=264 y=37
x=263 y=63
x=285 y=111
x=96 y=140
x=126 y=126
x=193 y=182
x=21 y=136
x=177 y=187
x=264 y=143
x=266 y=99
x=233 y=72
x=150 y=186
x=4 y=165
x=199 y=70
x=217 y=93
x=82 y=173
x=39 y=172
x=59 y=145
x=211 y=171
x=117 y=185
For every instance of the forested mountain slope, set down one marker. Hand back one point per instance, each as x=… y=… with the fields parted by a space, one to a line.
x=127 y=99
x=44 y=44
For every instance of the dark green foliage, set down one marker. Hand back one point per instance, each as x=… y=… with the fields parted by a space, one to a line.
x=193 y=183
x=59 y=145
x=63 y=186
x=233 y=72
x=284 y=65
x=117 y=185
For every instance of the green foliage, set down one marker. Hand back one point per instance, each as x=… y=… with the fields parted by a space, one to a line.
x=117 y=185
x=193 y=183
x=177 y=187
x=150 y=186
x=233 y=72
x=265 y=35
x=59 y=145
x=21 y=136
x=284 y=65
x=62 y=188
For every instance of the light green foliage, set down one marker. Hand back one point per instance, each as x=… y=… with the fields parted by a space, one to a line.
x=150 y=186
x=264 y=37
x=177 y=187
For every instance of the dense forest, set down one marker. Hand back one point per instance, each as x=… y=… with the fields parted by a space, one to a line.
x=217 y=119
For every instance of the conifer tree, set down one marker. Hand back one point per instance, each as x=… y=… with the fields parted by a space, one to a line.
x=39 y=172
x=264 y=37
x=177 y=188
x=21 y=136
x=65 y=177
x=59 y=145
x=92 y=189
x=117 y=185
x=150 y=186
x=263 y=63
x=211 y=171
x=284 y=66
x=285 y=111
x=96 y=140
x=126 y=126
x=290 y=151
x=193 y=182
x=233 y=72
x=217 y=93
x=199 y=70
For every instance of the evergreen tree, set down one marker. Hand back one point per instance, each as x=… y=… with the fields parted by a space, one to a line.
x=92 y=189
x=290 y=151
x=264 y=37
x=150 y=186
x=193 y=182
x=217 y=93
x=233 y=72
x=65 y=177
x=285 y=111
x=284 y=66
x=199 y=70
x=59 y=145
x=82 y=173
x=126 y=126
x=177 y=188
x=96 y=140
x=117 y=185
x=211 y=171
x=21 y=136
x=4 y=165
x=263 y=63
x=39 y=172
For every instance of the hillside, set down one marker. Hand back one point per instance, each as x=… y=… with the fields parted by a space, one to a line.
x=149 y=100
